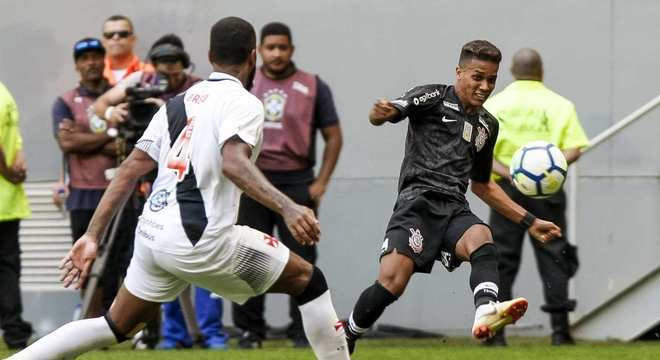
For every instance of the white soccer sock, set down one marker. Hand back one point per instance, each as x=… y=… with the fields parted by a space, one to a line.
x=323 y=329
x=70 y=340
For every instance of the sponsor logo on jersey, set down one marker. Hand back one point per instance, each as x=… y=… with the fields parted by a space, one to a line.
x=274 y=103
x=158 y=201
x=447 y=120
x=451 y=105
x=415 y=241
x=423 y=98
x=482 y=136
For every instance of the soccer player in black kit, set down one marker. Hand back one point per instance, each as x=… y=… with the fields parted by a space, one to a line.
x=450 y=142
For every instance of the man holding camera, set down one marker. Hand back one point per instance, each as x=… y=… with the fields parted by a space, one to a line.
x=89 y=153
x=169 y=60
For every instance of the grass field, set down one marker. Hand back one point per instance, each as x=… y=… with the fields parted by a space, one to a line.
x=407 y=349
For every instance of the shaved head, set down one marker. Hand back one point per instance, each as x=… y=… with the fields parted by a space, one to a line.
x=527 y=65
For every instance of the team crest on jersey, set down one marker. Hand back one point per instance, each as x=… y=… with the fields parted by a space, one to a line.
x=158 y=201
x=415 y=241
x=96 y=124
x=274 y=103
x=482 y=136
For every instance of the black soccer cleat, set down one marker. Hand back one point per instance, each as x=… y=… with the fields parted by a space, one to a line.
x=351 y=337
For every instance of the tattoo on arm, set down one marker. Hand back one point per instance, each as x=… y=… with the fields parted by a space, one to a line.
x=242 y=172
x=119 y=191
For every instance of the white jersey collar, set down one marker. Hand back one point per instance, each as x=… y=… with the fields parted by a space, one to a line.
x=215 y=76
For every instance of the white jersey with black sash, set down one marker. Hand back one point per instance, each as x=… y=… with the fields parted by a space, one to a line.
x=192 y=203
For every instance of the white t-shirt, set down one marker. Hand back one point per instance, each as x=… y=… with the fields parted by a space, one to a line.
x=192 y=203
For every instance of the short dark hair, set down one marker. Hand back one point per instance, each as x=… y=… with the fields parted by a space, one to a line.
x=171 y=39
x=275 y=28
x=232 y=41
x=118 y=17
x=480 y=50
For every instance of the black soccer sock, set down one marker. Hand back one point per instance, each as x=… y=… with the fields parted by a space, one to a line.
x=485 y=277
x=315 y=288
x=369 y=308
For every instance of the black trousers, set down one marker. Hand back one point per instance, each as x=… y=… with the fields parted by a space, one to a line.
x=556 y=261
x=250 y=316
x=120 y=253
x=16 y=331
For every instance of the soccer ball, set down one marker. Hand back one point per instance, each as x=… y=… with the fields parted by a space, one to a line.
x=538 y=169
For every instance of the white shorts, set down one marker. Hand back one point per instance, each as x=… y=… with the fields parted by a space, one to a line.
x=241 y=264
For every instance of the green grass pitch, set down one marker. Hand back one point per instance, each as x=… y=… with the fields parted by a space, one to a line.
x=409 y=349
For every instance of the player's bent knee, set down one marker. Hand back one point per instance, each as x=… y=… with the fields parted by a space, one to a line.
x=316 y=286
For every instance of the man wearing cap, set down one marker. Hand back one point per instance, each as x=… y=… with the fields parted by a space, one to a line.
x=13 y=207
x=119 y=41
x=89 y=152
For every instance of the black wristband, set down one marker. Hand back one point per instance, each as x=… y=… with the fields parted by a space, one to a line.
x=528 y=220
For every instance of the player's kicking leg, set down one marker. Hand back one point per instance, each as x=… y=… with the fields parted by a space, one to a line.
x=306 y=284
x=476 y=245
x=394 y=273
x=128 y=314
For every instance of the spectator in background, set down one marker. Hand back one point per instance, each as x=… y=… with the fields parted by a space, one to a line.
x=89 y=151
x=119 y=41
x=13 y=207
x=296 y=104
x=170 y=60
x=529 y=111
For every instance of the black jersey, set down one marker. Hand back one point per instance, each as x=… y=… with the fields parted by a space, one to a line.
x=445 y=147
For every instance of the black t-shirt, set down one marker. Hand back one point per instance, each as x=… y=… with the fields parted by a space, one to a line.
x=445 y=147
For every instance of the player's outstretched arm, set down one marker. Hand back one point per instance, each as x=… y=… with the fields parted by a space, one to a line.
x=493 y=195
x=236 y=166
x=382 y=112
x=76 y=264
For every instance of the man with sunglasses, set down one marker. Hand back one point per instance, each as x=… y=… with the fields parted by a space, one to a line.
x=169 y=59
x=119 y=42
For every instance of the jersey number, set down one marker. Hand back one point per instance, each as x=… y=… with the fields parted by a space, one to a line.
x=178 y=159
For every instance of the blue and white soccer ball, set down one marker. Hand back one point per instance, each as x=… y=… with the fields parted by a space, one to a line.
x=538 y=169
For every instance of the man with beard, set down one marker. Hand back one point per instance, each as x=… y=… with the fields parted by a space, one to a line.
x=89 y=152
x=296 y=105
x=450 y=142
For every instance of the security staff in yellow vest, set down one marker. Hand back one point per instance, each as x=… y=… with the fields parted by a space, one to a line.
x=13 y=207
x=529 y=111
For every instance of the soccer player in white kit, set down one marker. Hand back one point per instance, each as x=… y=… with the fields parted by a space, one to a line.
x=204 y=143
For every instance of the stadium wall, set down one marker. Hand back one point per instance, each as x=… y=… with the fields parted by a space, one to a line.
x=596 y=53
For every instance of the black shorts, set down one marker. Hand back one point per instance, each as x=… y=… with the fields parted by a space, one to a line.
x=426 y=227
